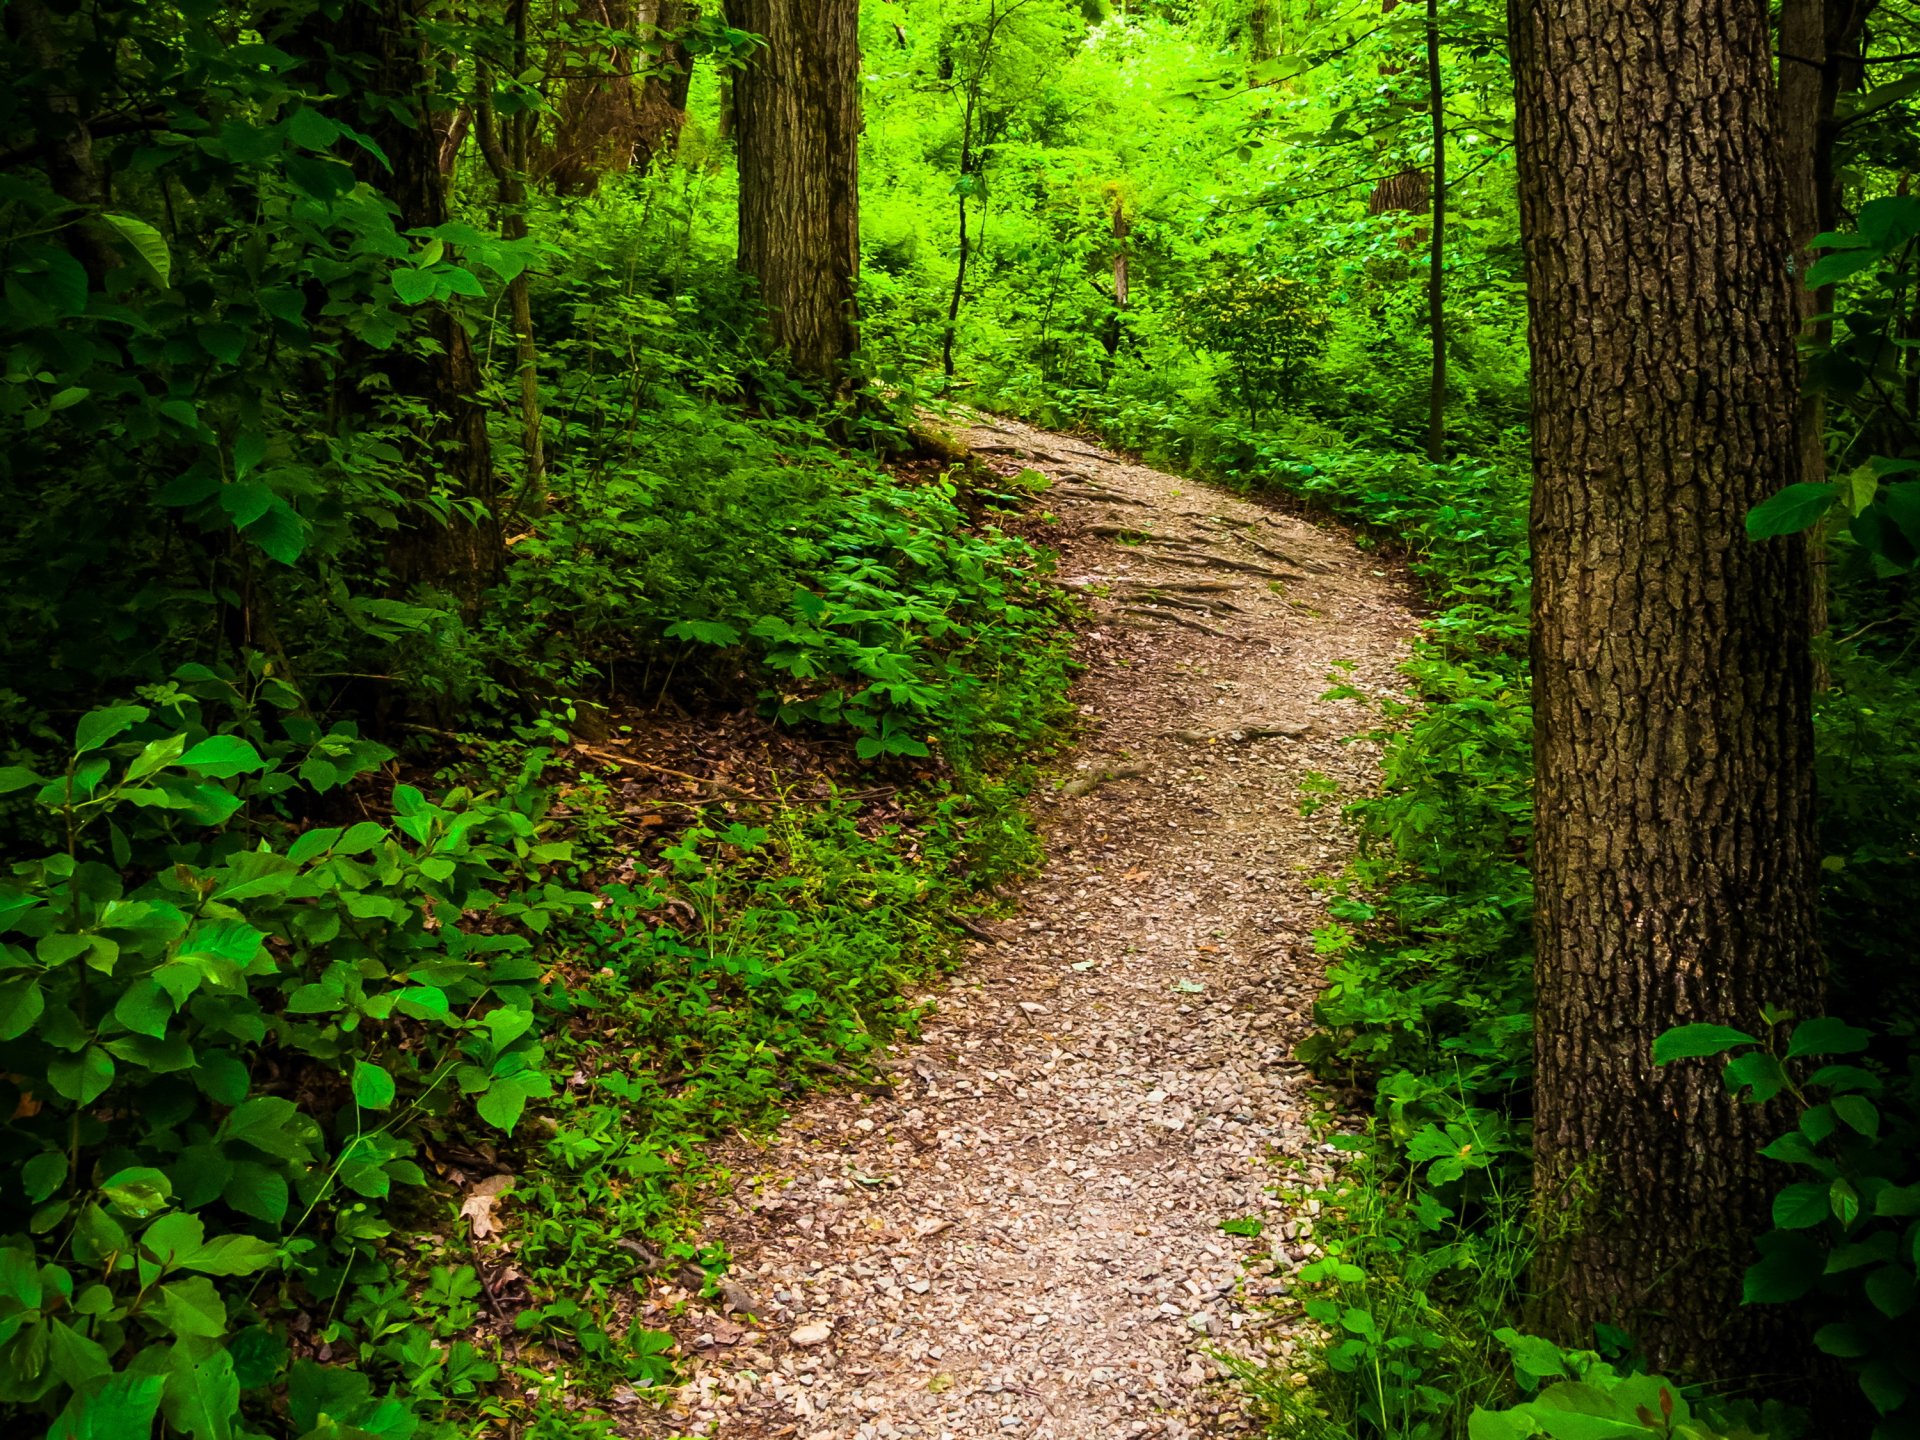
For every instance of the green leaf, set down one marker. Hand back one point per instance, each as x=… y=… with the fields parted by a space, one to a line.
x=1690 y=1042
x=1846 y=263
x=81 y=1078
x=100 y=726
x=267 y=1122
x=122 y=1409
x=1858 y=1113
x=372 y=1086
x=75 y=1358
x=148 y=243
x=222 y=756
x=1891 y=1289
x=1825 y=1035
x=145 y=1009
x=230 y=1255
x=258 y=1191
x=1760 y=1071
x=18 y=777
x=504 y=1101
x=1800 y=1207
x=1791 y=510
x=137 y=1192
x=202 y=1394
x=191 y=1307
x=21 y=1003
x=414 y=286
x=279 y=532
x=223 y=342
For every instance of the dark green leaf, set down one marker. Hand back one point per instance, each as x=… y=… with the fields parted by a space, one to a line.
x=1688 y=1042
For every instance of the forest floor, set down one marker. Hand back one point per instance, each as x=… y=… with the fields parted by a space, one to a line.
x=1022 y=1237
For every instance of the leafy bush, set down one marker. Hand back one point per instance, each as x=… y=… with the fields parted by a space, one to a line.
x=1267 y=327
x=1846 y=1239
x=223 y=1039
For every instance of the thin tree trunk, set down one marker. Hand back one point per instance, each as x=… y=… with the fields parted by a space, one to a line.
x=797 y=131
x=67 y=144
x=960 y=268
x=1817 y=37
x=1115 y=324
x=1674 y=801
x=1436 y=255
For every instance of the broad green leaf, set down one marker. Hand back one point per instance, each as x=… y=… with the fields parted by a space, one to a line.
x=230 y=1255
x=137 y=1192
x=414 y=286
x=372 y=1086
x=268 y=1123
x=222 y=756
x=122 y=1409
x=1791 y=510
x=1858 y=1113
x=75 y=1358
x=148 y=243
x=257 y=1190
x=21 y=1003
x=1825 y=1035
x=18 y=777
x=1688 y=1042
x=202 y=1393
x=280 y=532
x=191 y=1307
x=1799 y=1207
x=99 y=726
x=81 y=1078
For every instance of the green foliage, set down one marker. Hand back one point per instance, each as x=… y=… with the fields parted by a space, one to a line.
x=1585 y=1398
x=169 y=1203
x=1845 y=1245
x=1267 y=326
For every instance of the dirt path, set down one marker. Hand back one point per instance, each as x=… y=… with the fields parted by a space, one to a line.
x=1025 y=1241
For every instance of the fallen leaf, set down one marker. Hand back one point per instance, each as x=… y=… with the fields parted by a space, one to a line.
x=478 y=1206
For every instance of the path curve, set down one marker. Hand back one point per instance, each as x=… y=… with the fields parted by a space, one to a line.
x=1024 y=1240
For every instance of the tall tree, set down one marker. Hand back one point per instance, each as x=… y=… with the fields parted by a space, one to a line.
x=1437 y=251
x=796 y=107
x=1672 y=681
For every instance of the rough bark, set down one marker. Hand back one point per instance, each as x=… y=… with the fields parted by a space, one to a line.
x=797 y=134
x=1437 y=252
x=1674 y=803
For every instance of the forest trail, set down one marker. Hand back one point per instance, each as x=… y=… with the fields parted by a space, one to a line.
x=1023 y=1239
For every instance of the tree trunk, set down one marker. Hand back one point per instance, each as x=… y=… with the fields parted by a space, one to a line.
x=797 y=132
x=384 y=73
x=507 y=150
x=1674 y=802
x=1110 y=341
x=1817 y=40
x=1436 y=277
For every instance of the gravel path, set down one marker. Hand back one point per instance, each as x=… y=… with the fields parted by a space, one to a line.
x=1024 y=1239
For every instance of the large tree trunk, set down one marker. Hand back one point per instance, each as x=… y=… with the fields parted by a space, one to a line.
x=1674 y=804
x=797 y=131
